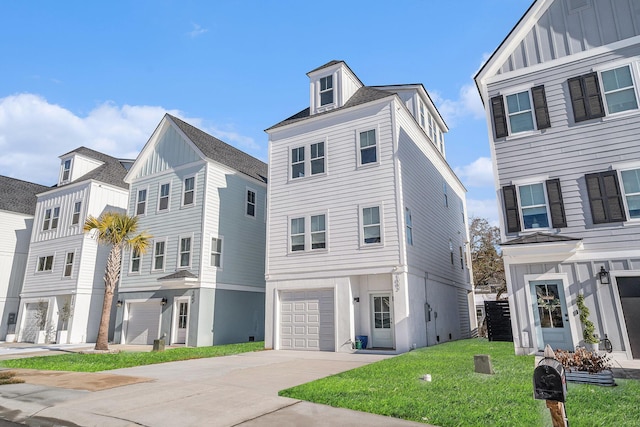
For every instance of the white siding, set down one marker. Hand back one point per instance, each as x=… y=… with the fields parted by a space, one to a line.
x=170 y=151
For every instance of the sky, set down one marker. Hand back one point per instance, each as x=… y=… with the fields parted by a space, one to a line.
x=103 y=74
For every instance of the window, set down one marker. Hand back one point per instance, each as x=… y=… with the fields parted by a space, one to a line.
x=251 y=203
x=409 y=224
x=585 y=97
x=618 y=90
x=45 y=263
x=55 y=218
x=297 y=162
x=451 y=250
x=183 y=315
x=75 y=218
x=444 y=192
x=441 y=141
x=368 y=147
x=141 y=203
x=605 y=198
x=163 y=201
x=185 y=252
x=431 y=128
x=631 y=186
x=318 y=232
x=297 y=234
x=188 y=191
x=522 y=107
x=158 y=255
x=47 y=220
x=216 y=251
x=136 y=257
x=326 y=90
x=317 y=158
x=533 y=206
x=68 y=264
x=371 y=225
x=422 y=122
x=461 y=259
x=66 y=170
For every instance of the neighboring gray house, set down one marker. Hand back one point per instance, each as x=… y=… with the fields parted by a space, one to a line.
x=17 y=208
x=65 y=268
x=367 y=230
x=202 y=280
x=562 y=101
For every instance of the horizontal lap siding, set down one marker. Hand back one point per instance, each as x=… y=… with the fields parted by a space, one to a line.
x=341 y=192
x=569 y=150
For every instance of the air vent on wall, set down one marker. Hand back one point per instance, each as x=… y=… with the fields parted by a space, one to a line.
x=578 y=5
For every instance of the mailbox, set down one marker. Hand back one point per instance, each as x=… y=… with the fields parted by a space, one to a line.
x=548 y=381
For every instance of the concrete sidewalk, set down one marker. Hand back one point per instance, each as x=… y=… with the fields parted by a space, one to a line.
x=240 y=390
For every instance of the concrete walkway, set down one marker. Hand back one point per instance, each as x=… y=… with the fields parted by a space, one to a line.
x=240 y=390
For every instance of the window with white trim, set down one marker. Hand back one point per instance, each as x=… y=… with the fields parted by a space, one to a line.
x=163 y=199
x=46 y=223
x=631 y=188
x=297 y=162
x=371 y=225
x=619 y=90
x=296 y=234
x=45 y=263
x=185 y=252
x=444 y=192
x=141 y=202
x=55 y=217
x=367 y=147
x=68 y=264
x=421 y=111
x=159 y=249
x=251 y=203
x=312 y=238
x=409 y=224
x=188 y=191
x=216 y=252
x=317 y=158
x=66 y=170
x=318 y=232
x=431 y=128
x=310 y=158
x=326 y=90
x=75 y=218
x=520 y=112
x=461 y=259
x=136 y=259
x=533 y=206
x=521 y=107
x=451 y=250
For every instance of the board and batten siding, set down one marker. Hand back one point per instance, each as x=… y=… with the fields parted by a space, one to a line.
x=569 y=150
x=167 y=225
x=243 y=236
x=64 y=198
x=567 y=27
x=423 y=175
x=340 y=193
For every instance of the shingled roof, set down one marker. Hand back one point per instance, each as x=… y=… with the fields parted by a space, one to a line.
x=539 y=238
x=362 y=96
x=110 y=172
x=19 y=196
x=221 y=152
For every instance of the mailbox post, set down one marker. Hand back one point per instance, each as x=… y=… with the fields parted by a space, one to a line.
x=549 y=384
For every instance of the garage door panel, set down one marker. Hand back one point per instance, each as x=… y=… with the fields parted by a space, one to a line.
x=306 y=320
x=143 y=322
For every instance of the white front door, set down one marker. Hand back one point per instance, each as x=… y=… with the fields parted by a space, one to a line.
x=182 y=320
x=550 y=314
x=30 y=328
x=382 y=321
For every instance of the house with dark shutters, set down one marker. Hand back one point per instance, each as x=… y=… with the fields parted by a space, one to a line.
x=561 y=95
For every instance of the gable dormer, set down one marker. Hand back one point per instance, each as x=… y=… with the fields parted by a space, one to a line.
x=74 y=165
x=331 y=86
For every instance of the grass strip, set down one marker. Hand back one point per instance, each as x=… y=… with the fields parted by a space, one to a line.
x=78 y=362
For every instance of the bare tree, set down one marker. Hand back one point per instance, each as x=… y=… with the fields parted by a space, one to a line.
x=486 y=257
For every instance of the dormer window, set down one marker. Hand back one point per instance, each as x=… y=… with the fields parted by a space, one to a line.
x=326 y=90
x=66 y=170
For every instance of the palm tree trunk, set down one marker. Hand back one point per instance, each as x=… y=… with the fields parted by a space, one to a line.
x=111 y=277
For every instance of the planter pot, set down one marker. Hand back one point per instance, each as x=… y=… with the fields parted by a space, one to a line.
x=62 y=337
x=604 y=378
x=591 y=346
x=10 y=338
x=42 y=337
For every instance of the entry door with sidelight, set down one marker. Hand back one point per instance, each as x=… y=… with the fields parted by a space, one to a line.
x=550 y=315
x=382 y=319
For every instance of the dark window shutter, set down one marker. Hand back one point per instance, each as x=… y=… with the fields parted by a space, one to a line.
x=594 y=99
x=499 y=117
x=511 y=211
x=556 y=205
x=605 y=198
x=540 y=106
x=585 y=97
x=577 y=99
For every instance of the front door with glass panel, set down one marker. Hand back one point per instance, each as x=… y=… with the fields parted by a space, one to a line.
x=382 y=321
x=181 y=322
x=550 y=315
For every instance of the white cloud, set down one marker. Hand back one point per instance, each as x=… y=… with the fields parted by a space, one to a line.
x=468 y=104
x=485 y=208
x=33 y=133
x=477 y=174
x=197 y=31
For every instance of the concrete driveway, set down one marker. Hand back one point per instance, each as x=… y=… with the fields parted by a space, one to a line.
x=240 y=390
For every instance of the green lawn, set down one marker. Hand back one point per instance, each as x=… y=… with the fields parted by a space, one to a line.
x=104 y=362
x=457 y=396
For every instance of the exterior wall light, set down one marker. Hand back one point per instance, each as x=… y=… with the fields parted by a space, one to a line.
x=604 y=277
x=164 y=301
x=119 y=303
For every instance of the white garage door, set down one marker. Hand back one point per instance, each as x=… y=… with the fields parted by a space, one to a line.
x=306 y=320
x=143 y=323
x=30 y=328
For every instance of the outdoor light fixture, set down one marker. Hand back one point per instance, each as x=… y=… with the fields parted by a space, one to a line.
x=603 y=275
x=164 y=301
x=119 y=303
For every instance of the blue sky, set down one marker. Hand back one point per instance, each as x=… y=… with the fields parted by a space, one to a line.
x=102 y=74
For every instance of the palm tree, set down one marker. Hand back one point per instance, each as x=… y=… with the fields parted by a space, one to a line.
x=117 y=230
